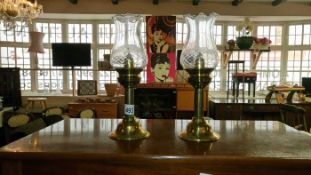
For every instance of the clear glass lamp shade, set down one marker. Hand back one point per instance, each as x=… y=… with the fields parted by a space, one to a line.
x=128 y=46
x=200 y=46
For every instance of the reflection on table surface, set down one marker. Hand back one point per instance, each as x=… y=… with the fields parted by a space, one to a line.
x=238 y=138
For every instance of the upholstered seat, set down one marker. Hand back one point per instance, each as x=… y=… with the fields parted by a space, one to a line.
x=54 y=114
x=87 y=113
x=54 y=110
x=245 y=74
x=17 y=125
x=244 y=77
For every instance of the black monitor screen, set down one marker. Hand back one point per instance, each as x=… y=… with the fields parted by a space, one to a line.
x=306 y=83
x=71 y=54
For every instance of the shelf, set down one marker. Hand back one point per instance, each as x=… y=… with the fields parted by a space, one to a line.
x=255 y=55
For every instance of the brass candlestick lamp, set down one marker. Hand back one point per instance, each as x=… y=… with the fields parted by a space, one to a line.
x=199 y=58
x=128 y=57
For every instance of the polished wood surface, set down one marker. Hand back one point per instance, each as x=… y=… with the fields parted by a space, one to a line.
x=103 y=110
x=82 y=146
x=251 y=109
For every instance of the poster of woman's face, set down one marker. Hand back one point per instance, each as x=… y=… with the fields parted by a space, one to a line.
x=161 y=46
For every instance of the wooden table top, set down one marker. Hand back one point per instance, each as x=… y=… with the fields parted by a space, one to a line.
x=260 y=142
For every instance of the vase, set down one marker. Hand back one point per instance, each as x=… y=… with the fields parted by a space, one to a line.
x=244 y=42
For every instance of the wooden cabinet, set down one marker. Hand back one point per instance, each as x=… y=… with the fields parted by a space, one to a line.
x=103 y=110
x=228 y=109
x=185 y=99
x=225 y=111
x=177 y=100
x=155 y=102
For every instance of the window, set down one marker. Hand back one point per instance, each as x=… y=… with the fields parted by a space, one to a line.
x=288 y=60
x=14 y=52
x=105 y=33
x=268 y=69
x=231 y=32
x=299 y=54
x=274 y=33
x=269 y=64
x=52 y=31
x=181 y=32
x=49 y=78
x=81 y=33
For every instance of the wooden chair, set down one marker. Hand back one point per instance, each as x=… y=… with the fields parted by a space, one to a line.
x=87 y=113
x=17 y=125
x=54 y=110
x=54 y=114
x=294 y=116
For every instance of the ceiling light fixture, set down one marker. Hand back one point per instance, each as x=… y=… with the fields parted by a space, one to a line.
x=18 y=10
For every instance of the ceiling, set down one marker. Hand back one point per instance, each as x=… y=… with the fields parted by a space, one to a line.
x=197 y=2
x=104 y=9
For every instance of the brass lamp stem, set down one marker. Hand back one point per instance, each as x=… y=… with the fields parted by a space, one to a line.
x=198 y=102
x=129 y=97
x=129 y=129
x=198 y=130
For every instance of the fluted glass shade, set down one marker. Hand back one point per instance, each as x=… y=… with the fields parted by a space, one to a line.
x=200 y=48
x=128 y=47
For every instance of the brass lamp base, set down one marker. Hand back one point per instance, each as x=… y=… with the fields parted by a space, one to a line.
x=129 y=129
x=199 y=131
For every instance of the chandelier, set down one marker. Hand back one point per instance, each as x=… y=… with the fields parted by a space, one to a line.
x=18 y=10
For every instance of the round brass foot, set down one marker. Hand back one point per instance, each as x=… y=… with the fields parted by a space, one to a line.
x=129 y=129
x=199 y=131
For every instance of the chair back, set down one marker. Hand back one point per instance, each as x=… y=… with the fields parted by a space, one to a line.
x=55 y=110
x=12 y=121
x=87 y=113
x=294 y=116
x=15 y=119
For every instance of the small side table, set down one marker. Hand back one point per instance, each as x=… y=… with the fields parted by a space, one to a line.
x=31 y=102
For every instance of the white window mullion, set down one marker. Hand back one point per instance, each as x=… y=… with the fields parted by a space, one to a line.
x=65 y=72
x=284 y=54
x=95 y=53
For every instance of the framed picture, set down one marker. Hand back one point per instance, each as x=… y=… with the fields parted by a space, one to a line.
x=87 y=87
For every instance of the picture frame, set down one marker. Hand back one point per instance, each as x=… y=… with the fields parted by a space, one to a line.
x=87 y=87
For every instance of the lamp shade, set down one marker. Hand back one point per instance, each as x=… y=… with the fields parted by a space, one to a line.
x=36 y=42
x=200 y=46
x=128 y=47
